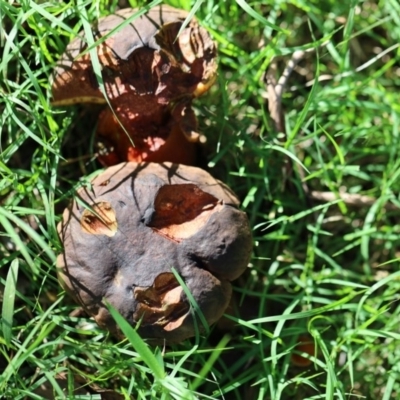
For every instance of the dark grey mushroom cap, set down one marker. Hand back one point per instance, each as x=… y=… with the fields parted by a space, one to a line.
x=126 y=234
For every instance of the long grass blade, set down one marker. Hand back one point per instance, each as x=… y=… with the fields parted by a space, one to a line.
x=8 y=301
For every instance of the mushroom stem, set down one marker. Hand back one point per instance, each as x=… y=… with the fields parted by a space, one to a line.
x=116 y=146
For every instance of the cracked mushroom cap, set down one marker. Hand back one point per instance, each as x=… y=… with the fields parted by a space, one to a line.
x=150 y=73
x=123 y=235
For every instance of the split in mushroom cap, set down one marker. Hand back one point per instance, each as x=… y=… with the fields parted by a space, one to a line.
x=132 y=226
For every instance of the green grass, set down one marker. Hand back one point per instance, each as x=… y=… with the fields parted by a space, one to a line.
x=322 y=266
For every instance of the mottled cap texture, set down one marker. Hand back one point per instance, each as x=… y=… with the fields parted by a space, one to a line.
x=134 y=229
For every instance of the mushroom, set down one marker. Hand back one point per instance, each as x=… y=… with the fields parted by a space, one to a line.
x=151 y=75
x=138 y=225
x=305 y=345
x=115 y=146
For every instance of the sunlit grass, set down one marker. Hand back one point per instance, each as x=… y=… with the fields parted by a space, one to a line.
x=325 y=269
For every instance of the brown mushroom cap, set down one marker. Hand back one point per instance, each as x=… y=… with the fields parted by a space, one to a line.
x=132 y=225
x=149 y=73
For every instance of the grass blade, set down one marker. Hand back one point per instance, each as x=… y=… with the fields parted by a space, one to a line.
x=154 y=363
x=8 y=301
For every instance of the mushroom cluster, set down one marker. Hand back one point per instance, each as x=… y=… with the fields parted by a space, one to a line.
x=146 y=232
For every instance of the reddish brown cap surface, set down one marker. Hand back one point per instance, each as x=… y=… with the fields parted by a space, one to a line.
x=136 y=222
x=114 y=145
x=150 y=74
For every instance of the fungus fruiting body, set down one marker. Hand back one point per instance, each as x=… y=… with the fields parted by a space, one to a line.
x=138 y=225
x=115 y=146
x=305 y=345
x=150 y=75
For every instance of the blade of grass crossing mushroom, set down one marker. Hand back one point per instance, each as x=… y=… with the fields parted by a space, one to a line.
x=97 y=69
x=90 y=208
x=155 y=364
x=193 y=10
x=7 y=311
x=126 y=21
x=87 y=28
x=192 y=301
